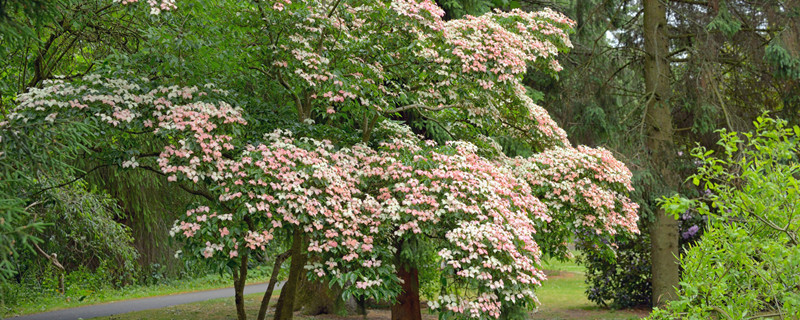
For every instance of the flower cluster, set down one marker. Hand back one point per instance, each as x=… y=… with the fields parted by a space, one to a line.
x=425 y=12
x=335 y=59
x=584 y=185
x=286 y=184
x=504 y=43
x=130 y=109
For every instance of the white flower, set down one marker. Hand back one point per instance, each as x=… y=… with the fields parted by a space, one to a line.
x=51 y=117
x=130 y=163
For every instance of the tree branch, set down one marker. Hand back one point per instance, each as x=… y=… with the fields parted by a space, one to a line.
x=196 y=192
x=419 y=106
x=699 y=3
x=70 y=181
x=52 y=258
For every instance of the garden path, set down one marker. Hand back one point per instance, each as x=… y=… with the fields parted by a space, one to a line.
x=119 y=307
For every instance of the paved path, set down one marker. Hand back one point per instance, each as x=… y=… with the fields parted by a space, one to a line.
x=112 y=308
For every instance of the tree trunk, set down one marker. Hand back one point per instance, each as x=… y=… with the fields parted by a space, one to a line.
x=319 y=297
x=407 y=306
x=660 y=148
x=279 y=259
x=239 y=279
x=285 y=307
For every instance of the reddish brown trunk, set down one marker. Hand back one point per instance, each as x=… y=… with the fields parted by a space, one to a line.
x=407 y=306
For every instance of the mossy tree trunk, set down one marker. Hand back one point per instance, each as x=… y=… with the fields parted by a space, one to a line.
x=660 y=148
x=319 y=297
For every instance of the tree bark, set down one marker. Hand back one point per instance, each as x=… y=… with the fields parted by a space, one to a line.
x=407 y=306
x=239 y=279
x=285 y=307
x=660 y=148
x=317 y=297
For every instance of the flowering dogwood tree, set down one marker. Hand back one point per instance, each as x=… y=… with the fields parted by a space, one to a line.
x=357 y=209
x=357 y=205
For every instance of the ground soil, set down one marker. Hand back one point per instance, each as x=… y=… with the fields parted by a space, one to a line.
x=381 y=314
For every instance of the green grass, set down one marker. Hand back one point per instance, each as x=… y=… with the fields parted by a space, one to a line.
x=78 y=298
x=564 y=266
x=562 y=297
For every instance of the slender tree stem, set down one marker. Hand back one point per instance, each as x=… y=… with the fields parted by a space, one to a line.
x=279 y=259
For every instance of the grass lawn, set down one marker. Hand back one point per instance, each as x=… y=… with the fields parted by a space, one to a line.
x=562 y=297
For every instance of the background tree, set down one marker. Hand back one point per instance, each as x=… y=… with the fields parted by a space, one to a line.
x=711 y=73
x=659 y=135
x=69 y=38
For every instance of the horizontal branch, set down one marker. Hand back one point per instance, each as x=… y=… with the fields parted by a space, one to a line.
x=196 y=192
x=673 y=53
x=692 y=35
x=70 y=181
x=699 y=3
x=419 y=106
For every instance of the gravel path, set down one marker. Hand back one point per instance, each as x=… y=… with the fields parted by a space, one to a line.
x=112 y=308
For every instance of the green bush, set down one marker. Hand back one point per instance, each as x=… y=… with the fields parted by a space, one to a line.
x=619 y=278
x=618 y=274
x=747 y=263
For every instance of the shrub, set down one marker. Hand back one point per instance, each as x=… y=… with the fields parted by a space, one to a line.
x=747 y=262
x=619 y=278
